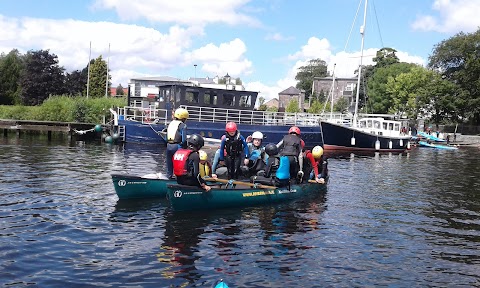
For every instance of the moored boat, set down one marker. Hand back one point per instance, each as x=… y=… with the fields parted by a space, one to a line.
x=183 y=198
x=437 y=146
x=147 y=186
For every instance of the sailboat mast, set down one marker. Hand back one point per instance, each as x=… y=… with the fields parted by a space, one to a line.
x=357 y=96
x=332 y=91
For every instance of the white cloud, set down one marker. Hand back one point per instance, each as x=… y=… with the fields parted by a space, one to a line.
x=454 y=16
x=278 y=37
x=186 y=12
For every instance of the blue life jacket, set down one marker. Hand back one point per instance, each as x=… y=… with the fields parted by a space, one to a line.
x=283 y=171
x=255 y=154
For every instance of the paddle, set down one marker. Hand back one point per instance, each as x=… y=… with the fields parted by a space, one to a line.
x=240 y=183
x=313 y=181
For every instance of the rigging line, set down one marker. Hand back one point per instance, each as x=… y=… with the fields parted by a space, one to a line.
x=378 y=25
x=353 y=25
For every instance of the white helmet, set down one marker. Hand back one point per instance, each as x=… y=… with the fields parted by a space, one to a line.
x=257 y=135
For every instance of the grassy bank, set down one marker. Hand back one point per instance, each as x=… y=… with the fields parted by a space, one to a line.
x=64 y=109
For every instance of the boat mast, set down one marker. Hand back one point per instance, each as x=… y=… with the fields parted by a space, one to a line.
x=332 y=90
x=362 y=32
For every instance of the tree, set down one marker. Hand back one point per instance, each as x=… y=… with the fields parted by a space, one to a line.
x=261 y=104
x=305 y=75
x=457 y=59
x=385 y=57
x=341 y=105
x=378 y=99
x=76 y=82
x=316 y=107
x=42 y=77
x=98 y=74
x=11 y=68
x=292 y=106
x=119 y=90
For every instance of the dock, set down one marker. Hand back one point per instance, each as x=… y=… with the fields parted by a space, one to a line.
x=48 y=127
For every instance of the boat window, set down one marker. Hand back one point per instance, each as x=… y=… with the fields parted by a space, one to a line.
x=390 y=126
x=369 y=123
x=207 y=98
x=397 y=127
x=228 y=100
x=362 y=124
x=245 y=101
x=178 y=93
x=384 y=126
x=191 y=97
x=376 y=124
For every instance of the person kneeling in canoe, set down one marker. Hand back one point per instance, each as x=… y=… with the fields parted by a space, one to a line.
x=205 y=166
x=291 y=146
x=316 y=167
x=258 y=158
x=186 y=163
x=277 y=172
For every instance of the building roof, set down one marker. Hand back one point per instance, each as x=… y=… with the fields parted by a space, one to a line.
x=159 y=78
x=206 y=80
x=290 y=91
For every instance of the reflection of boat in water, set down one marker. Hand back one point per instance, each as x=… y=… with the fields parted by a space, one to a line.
x=192 y=198
x=436 y=146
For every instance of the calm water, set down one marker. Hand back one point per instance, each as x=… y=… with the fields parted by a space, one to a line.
x=409 y=220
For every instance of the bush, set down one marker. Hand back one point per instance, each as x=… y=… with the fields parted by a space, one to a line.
x=64 y=109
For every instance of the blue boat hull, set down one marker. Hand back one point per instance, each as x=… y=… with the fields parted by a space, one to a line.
x=149 y=133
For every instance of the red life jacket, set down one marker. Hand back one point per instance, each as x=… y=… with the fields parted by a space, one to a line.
x=180 y=162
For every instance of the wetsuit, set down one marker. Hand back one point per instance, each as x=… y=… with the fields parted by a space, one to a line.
x=176 y=138
x=236 y=149
x=277 y=172
x=186 y=163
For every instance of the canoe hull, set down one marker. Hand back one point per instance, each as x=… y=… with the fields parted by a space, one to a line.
x=183 y=198
x=436 y=146
x=130 y=186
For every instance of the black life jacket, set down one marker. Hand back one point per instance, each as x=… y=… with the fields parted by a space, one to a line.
x=233 y=145
x=292 y=145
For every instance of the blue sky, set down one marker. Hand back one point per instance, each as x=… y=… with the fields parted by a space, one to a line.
x=261 y=41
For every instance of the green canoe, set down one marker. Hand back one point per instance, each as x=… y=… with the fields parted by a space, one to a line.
x=130 y=186
x=183 y=198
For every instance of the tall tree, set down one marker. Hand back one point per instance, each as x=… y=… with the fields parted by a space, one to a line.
x=458 y=59
x=11 y=68
x=305 y=75
x=42 y=77
x=76 y=82
x=119 y=90
x=98 y=78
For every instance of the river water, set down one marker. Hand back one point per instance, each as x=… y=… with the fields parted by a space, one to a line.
x=405 y=220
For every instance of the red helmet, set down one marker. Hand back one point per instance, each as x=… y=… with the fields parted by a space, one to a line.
x=231 y=127
x=294 y=129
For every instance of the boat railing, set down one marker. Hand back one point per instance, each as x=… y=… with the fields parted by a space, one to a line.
x=146 y=115
x=254 y=117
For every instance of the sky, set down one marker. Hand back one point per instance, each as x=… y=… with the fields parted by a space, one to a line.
x=262 y=42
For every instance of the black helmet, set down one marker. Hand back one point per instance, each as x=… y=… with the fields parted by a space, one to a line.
x=271 y=149
x=196 y=141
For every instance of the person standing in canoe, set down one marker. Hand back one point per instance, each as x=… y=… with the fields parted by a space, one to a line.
x=176 y=137
x=277 y=172
x=205 y=166
x=316 y=167
x=236 y=149
x=186 y=163
x=291 y=146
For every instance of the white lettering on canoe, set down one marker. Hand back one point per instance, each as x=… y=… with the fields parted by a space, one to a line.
x=177 y=194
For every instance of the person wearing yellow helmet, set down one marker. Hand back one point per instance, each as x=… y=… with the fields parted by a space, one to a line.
x=205 y=166
x=316 y=167
x=176 y=137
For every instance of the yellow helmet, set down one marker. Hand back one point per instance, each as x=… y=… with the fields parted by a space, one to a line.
x=181 y=113
x=203 y=155
x=317 y=152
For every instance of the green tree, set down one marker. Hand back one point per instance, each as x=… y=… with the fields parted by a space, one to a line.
x=119 y=90
x=261 y=104
x=378 y=99
x=11 y=68
x=98 y=78
x=341 y=105
x=305 y=75
x=292 y=106
x=76 y=82
x=385 y=57
x=458 y=59
x=42 y=77
x=316 y=107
